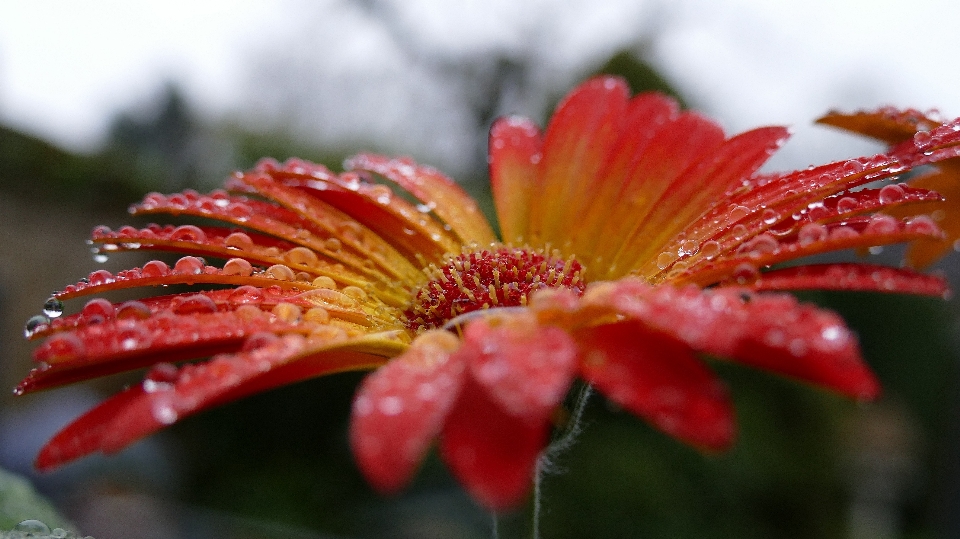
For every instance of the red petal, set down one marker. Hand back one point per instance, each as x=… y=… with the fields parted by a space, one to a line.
x=400 y=409
x=769 y=331
x=862 y=277
x=492 y=452
x=169 y=394
x=659 y=379
x=527 y=368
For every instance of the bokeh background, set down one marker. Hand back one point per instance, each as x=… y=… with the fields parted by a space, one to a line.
x=102 y=101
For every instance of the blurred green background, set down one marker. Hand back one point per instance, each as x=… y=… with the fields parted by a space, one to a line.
x=807 y=464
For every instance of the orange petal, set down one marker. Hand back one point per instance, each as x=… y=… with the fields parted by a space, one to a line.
x=581 y=133
x=516 y=148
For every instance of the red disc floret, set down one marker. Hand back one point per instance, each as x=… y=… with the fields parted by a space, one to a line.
x=489 y=278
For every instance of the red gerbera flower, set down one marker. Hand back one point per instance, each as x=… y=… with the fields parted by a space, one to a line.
x=634 y=237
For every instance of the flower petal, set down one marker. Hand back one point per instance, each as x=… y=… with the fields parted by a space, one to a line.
x=768 y=331
x=861 y=277
x=444 y=197
x=400 y=408
x=525 y=367
x=170 y=393
x=659 y=379
x=581 y=133
x=492 y=452
x=516 y=148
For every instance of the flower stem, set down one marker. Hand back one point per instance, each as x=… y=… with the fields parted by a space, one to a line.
x=545 y=462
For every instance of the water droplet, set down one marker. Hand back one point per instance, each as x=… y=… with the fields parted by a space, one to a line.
x=281 y=272
x=812 y=233
x=53 y=308
x=332 y=244
x=882 y=224
x=300 y=255
x=355 y=292
x=891 y=194
x=188 y=265
x=35 y=324
x=246 y=294
x=237 y=266
x=239 y=241
x=155 y=268
x=922 y=224
x=710 y=249
x=288 y=312
x=740 y=232
x=100 y=277
x=665 y=259
x=99 y=256
x=381 y=193
x=769 y=216
x=239 y=211
x=197 y=303
x=325 y=282
x=133 y=337
x=97 y=310
x=688 y=248
x=133 y=310
x=33 y=527
x=188 y=233
x=847 y=204
x=746 y=274
x=318 y=315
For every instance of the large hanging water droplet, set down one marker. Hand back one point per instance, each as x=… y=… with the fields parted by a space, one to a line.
x=32 y=527
x=35 y=324
x=53 y=308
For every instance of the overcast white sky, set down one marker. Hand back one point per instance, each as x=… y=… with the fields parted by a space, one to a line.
x=66 y=67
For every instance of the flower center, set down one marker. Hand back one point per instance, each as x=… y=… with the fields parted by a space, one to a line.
x=489 y=278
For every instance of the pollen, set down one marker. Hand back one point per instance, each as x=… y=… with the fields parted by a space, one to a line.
x=489 y=278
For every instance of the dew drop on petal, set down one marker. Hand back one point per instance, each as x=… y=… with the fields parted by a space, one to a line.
x=238 y=266
x=246 y=294
x=97 y=309
x=688 y=248
x=882 y=224
x=769 y=216
x=891 y=194
x=188 y=233
x=32 y=527
x=35 y=324
x=197 y=303
x=155 y=268
x=300 y=255
x=133 y=310
x=281 y=272
x=665 y=259
x=922 y=224
x=325 y=282
x=189 y=265
x=710 y=249
x=746 y=274
x=332 y=244
x=812 y=233
x=355 y=292
x=100 y=277
x=317 y=314
x=239 y=241
x=288 y=312
x=847 y=204
x=239 y=211
x=53 y=308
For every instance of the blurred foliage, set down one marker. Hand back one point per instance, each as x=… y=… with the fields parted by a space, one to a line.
x=641 y=76
x=19 y=501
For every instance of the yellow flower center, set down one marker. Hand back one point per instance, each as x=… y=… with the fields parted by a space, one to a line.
x=489 y=278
